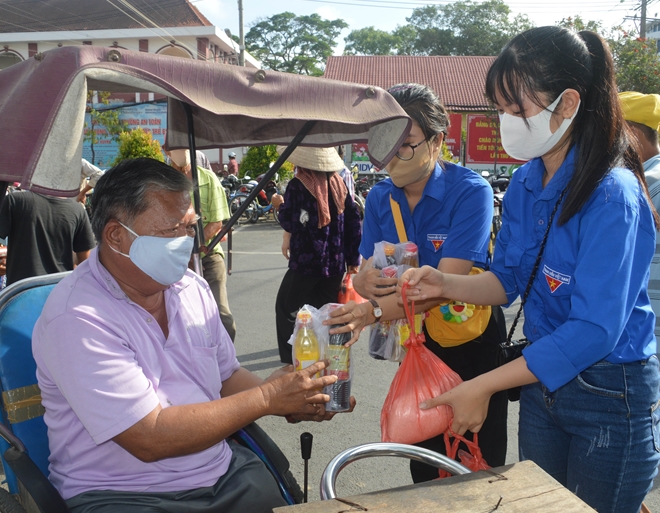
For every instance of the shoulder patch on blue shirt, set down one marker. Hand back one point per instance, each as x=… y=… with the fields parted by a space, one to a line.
x=555 y=279
x=437 y=239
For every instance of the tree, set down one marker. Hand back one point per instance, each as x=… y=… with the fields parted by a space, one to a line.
x=577 y=24
x=464 y=27
x=258 y=160
x=294 y=44
x=102 y=122
x=370 y=41
x=637 y=62
x=138 y=143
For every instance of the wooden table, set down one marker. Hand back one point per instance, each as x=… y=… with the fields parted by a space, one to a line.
x=518 y=488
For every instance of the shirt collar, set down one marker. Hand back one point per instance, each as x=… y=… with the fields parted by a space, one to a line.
x=434 y=188
x=533 y=179
x=653 y=161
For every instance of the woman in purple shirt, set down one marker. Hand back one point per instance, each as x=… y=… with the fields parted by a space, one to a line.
x=321 y=239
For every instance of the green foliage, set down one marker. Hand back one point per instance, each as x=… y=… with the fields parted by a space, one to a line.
x=103 y=121
x=138 y=143
x=637 y=62
x=294 y=44
x=370 y=41
x=258 y=159
x=577 y=24
x=464 y=27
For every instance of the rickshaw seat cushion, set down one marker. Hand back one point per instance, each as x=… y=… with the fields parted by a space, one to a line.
x=18 y=376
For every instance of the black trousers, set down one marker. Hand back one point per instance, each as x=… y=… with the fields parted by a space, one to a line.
x=469 y=360
x=295 y=291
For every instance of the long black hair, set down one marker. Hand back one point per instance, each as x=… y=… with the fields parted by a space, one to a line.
x=544 y=62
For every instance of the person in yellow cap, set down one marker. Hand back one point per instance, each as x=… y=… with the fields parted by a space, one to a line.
x=642 y=113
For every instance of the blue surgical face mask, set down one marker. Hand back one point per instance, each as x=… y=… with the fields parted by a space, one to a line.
x=164 y=259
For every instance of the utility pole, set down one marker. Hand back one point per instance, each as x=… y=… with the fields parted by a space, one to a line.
x=642 y=29
x=241 y=36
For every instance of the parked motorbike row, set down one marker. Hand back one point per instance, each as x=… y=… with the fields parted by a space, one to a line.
x=238 y=189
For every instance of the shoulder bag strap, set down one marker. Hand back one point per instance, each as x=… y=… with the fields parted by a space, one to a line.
x=398 y=220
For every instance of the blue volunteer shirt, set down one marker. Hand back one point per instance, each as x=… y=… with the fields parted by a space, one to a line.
x=589 y=299
x=452 y=220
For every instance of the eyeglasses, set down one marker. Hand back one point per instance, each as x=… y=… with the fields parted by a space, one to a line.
x=407 y=151
x=190 y=230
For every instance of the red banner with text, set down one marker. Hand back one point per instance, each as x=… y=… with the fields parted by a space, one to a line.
x=483 y=142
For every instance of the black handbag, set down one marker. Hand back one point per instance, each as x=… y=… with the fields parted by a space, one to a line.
x=512 y=349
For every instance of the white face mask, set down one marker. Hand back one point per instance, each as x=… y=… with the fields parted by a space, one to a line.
x=164 y=259
x=534 y=139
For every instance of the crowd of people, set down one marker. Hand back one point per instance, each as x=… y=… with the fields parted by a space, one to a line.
x=136 y=363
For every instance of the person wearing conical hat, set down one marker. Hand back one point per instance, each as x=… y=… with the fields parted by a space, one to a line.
x=321 y=240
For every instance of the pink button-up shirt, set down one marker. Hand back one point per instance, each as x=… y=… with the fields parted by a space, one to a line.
x=103 y=364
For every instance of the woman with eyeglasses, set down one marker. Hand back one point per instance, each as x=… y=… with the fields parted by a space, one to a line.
x=447 y=212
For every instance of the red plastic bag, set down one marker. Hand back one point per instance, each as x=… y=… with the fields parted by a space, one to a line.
x=473 y=460
x=421 y=376
x=348 y=293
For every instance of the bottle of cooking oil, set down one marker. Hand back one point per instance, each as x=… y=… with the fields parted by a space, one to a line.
x=306 y=350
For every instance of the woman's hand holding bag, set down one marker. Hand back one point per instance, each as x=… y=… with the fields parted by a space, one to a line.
x=421 y=376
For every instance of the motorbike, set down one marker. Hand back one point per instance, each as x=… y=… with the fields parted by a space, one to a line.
x=261 y=205
x=499 y=182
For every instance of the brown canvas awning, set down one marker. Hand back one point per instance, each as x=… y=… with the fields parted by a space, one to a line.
x=43 y=100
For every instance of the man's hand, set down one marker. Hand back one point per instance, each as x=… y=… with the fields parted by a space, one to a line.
x=82 y=195
x=322 y=415
x=369 y=284
x=298 y=393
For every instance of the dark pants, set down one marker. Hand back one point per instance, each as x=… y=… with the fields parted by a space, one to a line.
x=469 y=360
x=246 y=486
x=295 y=291
x=215 y=274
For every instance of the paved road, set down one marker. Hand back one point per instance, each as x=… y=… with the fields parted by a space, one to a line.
x=257 y=272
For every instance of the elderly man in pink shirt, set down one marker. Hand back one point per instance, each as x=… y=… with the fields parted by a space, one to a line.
x=139 y=378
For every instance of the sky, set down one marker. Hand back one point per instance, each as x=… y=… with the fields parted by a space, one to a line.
x=388 y=14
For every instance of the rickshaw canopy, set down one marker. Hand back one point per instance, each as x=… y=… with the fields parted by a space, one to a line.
x=43 y=101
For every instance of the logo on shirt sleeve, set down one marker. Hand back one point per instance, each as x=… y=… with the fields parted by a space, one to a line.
x=437 y=240
x=555 y=279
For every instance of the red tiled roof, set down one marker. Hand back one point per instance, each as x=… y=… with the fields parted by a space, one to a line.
x=56 y=15
x=457 y=80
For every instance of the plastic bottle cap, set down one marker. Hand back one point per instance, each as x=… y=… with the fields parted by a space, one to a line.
x=304 y=316
x=411 y=247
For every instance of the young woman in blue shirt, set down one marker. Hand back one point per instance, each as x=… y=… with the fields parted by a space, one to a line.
x=589 y=404
x=447 y=212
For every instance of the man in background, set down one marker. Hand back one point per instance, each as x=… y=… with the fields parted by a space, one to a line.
x=232 y=166
x=44 y=234
x=89 y=175
x=642 y=113
x=214 y=210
